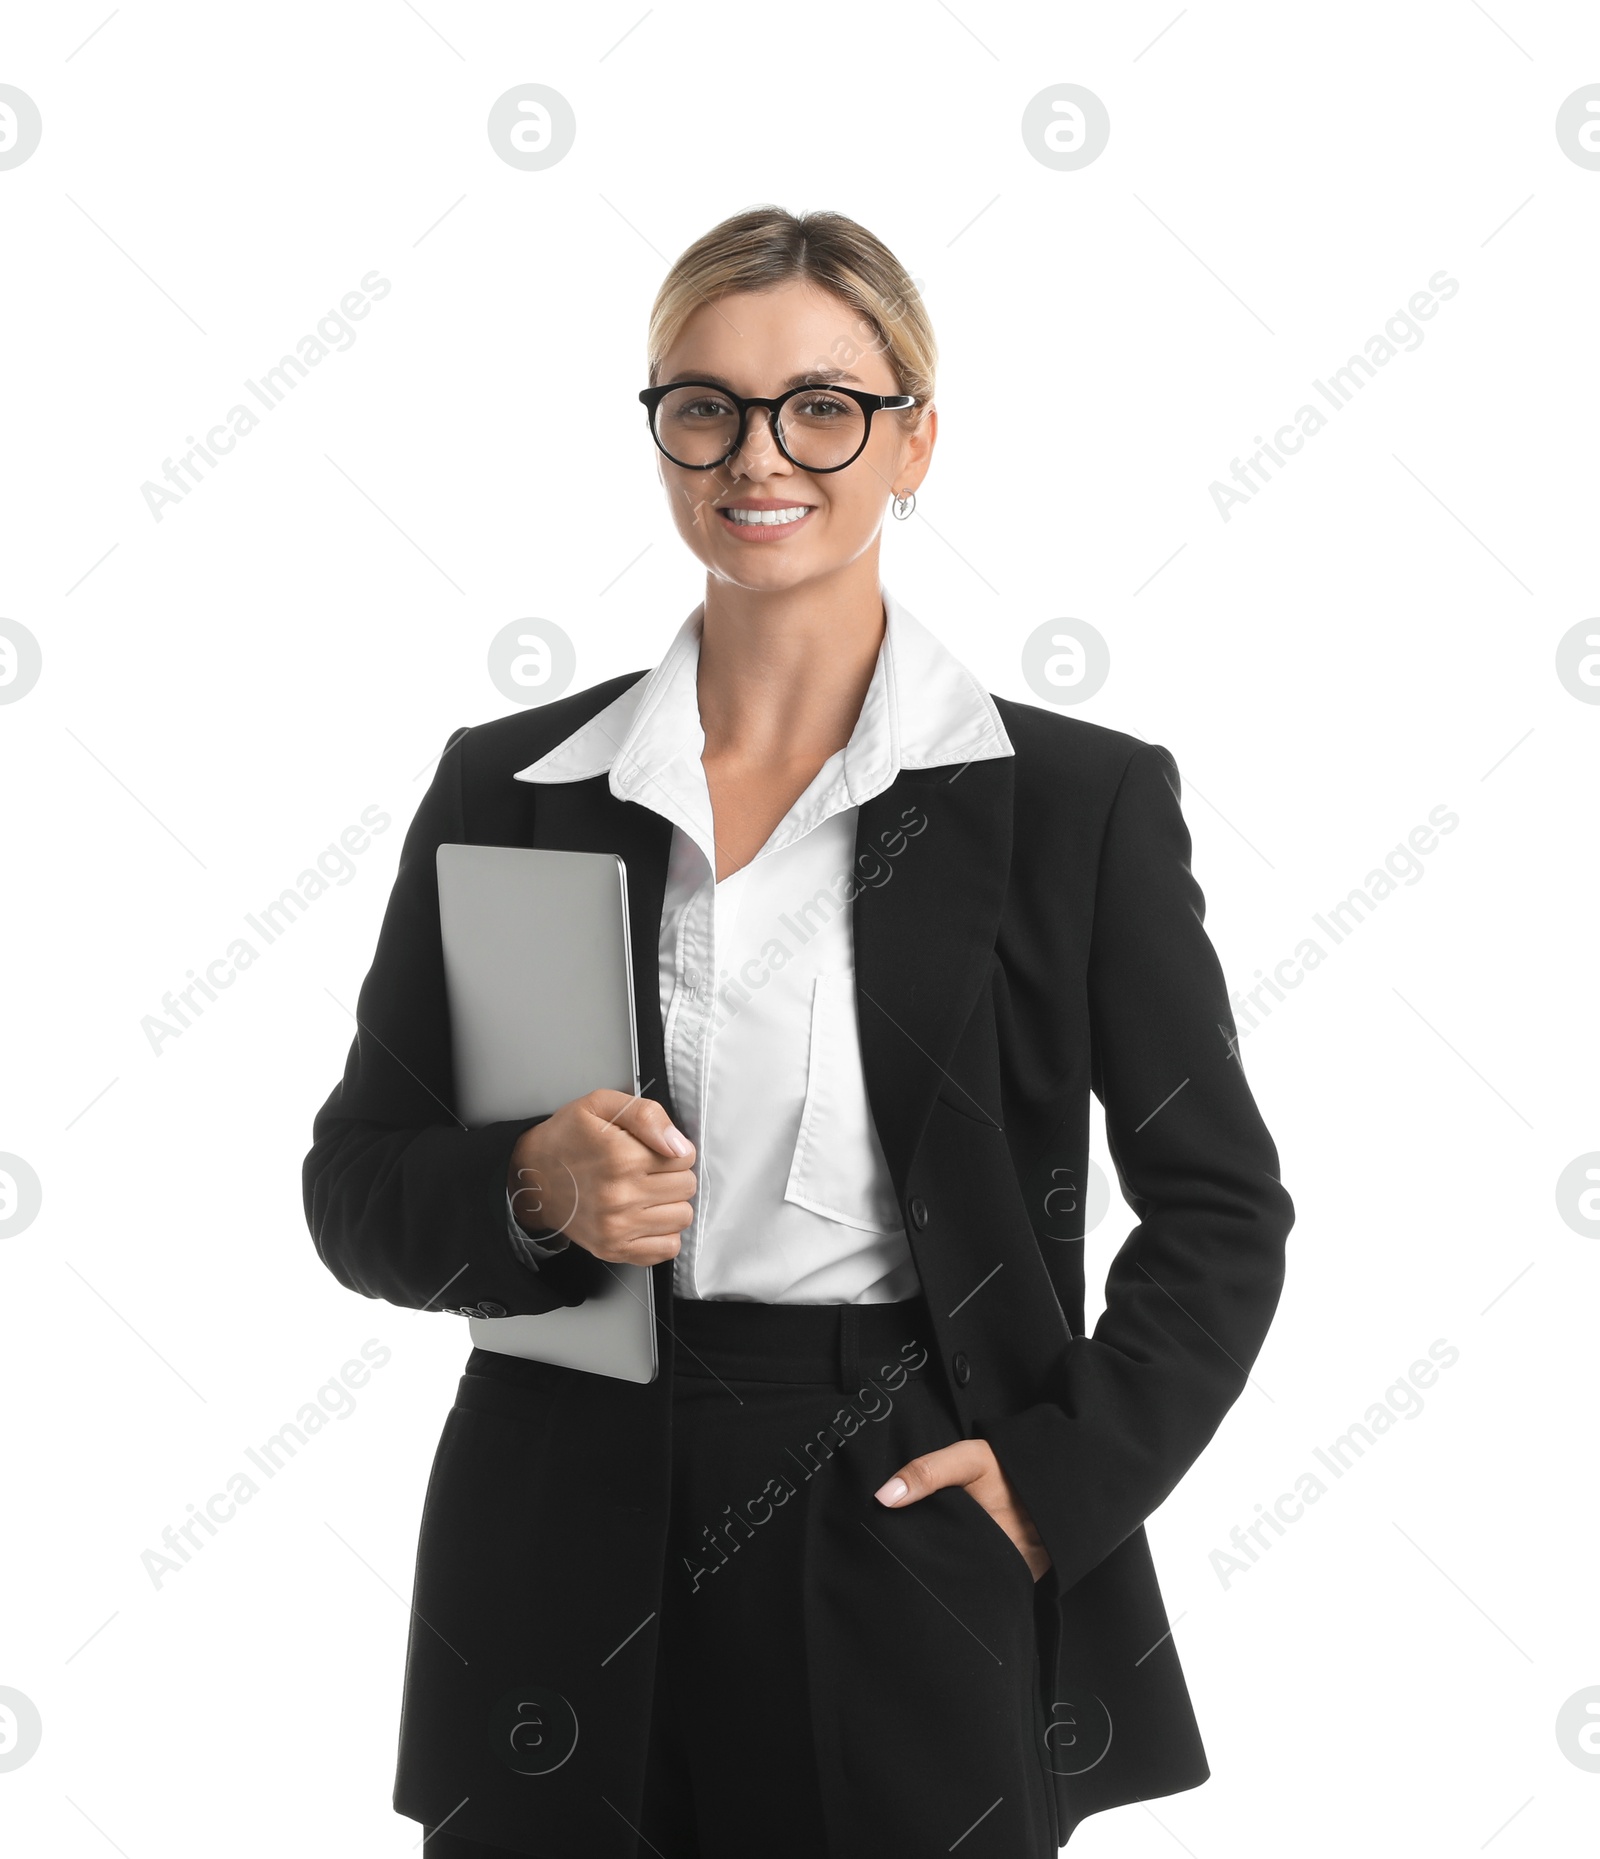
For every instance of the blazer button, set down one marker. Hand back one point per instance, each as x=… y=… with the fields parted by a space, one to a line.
x=961 y=1368
x=919 y=1212
x=490 y=1310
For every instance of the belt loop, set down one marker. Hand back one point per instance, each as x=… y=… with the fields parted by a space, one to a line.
x=849 y=1358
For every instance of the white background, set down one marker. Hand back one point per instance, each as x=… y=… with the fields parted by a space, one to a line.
x=1372 y=636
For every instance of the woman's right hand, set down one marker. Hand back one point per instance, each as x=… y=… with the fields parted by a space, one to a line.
x=610 y=1172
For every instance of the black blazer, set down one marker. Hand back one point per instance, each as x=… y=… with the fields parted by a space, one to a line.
x=1026 y=929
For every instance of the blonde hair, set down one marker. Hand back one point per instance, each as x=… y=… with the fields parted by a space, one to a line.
x=766 y=246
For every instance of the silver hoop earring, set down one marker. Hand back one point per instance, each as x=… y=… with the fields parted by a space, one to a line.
x=904 y=503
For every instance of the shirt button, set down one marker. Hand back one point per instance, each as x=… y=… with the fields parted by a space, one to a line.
x=490 y=1310
x=919 y=1212
x=961 y=1368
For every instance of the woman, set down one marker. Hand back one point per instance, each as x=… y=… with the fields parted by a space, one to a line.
x=864 y=1570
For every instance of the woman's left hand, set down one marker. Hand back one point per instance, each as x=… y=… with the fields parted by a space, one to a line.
x=970 y=1463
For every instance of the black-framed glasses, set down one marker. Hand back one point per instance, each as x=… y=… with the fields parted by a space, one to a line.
x=822 y=427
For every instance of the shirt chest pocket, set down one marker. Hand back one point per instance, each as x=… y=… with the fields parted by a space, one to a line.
x=838 y=1169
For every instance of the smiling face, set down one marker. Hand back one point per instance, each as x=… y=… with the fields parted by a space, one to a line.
x=760 y=522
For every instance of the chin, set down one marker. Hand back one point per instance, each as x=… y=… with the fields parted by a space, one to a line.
x=769 y=576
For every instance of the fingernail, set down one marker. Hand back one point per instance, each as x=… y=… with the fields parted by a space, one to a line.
x=678 y=1143
x=892 y=1492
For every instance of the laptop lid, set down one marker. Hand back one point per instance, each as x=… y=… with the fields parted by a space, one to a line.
x=540 y=986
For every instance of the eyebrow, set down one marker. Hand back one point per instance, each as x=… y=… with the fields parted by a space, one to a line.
x=812 y=377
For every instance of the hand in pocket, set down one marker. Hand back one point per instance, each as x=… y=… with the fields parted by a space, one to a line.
x=972 y=1465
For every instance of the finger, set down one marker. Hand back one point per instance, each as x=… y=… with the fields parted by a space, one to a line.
x=650 y=1249
x=930 y=1471
x=667 y=1185
x=671 y=1218
x=651 y=1164
x=646 y=1121
x=621 y=1227
x=640 y=1203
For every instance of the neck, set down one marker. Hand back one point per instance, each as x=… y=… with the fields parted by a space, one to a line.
x=783 y=672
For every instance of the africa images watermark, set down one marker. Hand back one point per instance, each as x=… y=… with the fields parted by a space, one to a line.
x=270 y=391
x=1340 y=388
x=1402 y=1400
x=869 y=870
x=1402 y=865
x=334 y=1401
x=334 y=866
x=869 y=1403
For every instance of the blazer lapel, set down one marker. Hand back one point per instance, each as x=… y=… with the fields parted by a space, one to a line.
x=933 y=856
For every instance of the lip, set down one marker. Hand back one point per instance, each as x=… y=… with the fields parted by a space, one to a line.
x=762 y=532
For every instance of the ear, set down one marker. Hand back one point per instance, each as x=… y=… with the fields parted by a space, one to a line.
x=917 y=454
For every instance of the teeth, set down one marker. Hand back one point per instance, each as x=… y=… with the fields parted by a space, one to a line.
x=790 y=515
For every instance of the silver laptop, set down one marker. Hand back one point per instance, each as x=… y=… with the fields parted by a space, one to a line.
x=540 y=986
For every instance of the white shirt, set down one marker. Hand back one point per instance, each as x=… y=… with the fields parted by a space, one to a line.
x=757 y=973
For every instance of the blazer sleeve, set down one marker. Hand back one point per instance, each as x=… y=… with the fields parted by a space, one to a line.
x=404 y=1201
x=1192 y=1291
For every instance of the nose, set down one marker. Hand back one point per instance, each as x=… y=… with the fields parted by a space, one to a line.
x=758 y=457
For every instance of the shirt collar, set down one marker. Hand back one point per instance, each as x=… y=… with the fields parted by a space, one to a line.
x=923 y=709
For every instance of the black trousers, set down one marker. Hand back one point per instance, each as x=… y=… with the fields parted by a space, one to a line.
x=832 y=1677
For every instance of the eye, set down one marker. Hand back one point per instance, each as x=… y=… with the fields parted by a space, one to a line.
x=821 y=406
x=702 y=407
